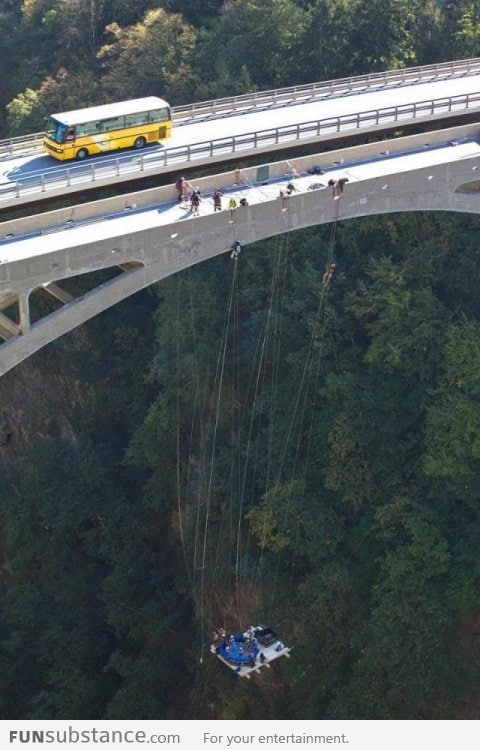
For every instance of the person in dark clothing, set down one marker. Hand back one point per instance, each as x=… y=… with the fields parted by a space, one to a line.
x=217 y=199
x=195 y=201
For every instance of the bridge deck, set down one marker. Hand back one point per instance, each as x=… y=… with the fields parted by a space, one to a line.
x=171 y=213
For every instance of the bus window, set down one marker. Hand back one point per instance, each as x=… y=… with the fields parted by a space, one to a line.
x=159 y=115
x=55 y=130
x=113 y=123
x=86 y=128
x=70 y=134
x=139 y=118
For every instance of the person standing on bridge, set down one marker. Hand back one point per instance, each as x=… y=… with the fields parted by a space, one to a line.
x=195 y=201
x=232 y=205
x=217 y=199
x=181 y=187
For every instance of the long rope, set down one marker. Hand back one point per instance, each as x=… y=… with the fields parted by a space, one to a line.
x=210 y=479
x=316 y=328
x=262 y=346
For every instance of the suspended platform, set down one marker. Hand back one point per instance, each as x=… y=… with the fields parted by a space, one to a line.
x=246 y=653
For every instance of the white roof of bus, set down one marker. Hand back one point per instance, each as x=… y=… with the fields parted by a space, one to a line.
x=116 y=109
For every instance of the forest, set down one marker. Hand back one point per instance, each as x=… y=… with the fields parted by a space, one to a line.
x=237 y=445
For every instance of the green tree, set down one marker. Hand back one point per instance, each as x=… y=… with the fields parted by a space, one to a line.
x=453 y=422
x=151 y=57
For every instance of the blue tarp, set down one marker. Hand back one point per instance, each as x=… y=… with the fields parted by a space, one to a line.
x=240 y=650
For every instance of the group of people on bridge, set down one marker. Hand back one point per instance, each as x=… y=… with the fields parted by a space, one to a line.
x=191 y=196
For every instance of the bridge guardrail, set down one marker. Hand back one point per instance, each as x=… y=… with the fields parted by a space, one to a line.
x=185 y=113
x=327 y=88
x=39 y=182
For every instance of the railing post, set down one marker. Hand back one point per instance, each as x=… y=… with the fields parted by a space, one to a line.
x=68 y=178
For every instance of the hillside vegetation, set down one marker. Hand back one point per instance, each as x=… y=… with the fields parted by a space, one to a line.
x=238 y=444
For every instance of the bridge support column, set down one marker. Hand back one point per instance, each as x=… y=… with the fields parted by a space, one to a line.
x=24 y=312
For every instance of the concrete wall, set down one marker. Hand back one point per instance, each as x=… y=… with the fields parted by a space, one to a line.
x=167 y=193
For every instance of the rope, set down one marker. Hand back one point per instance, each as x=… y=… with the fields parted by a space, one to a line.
x=222 y=355
x=307 y=368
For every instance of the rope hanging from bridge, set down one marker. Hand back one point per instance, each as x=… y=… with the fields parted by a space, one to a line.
x=234 y=534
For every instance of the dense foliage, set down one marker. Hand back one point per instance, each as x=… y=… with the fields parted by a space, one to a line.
x=238 y=444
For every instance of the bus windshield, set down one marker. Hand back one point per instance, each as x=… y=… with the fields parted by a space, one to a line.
x=55 y=130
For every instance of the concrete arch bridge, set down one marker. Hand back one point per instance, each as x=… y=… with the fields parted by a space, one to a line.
x=147 y=236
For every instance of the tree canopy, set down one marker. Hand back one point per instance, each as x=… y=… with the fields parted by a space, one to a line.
x=239 y=444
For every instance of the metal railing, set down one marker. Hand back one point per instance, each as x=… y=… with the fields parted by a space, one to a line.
x=37 y=183
x=182 y=115
x=321 y=89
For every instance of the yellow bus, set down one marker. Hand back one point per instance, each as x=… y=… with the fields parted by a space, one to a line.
x=95 y=130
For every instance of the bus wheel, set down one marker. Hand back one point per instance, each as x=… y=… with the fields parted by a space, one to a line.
x=81 y=154
x=139 y=142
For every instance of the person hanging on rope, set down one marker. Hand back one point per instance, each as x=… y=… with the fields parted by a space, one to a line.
x=329 y=271
x=283 y=195
x=236 y=250
x=337 y=186
x=335 y=189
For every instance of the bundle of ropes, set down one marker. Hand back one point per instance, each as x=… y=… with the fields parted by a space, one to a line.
x=223 y=550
